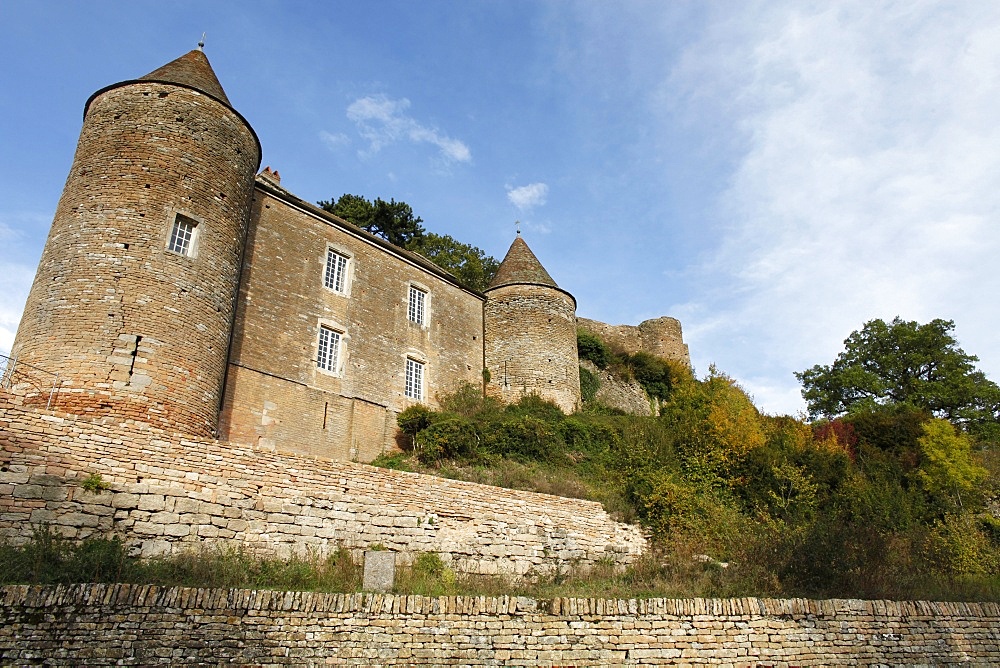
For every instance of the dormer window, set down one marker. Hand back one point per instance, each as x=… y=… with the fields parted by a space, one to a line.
x=182 y=235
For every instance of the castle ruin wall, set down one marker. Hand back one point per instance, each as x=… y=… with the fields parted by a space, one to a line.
x=660 y=337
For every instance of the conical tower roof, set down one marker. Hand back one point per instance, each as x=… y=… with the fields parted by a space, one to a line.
x=192 y=69
x=520 y=266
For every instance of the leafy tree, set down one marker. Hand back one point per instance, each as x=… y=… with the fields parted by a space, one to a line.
x=947 y=472
x=393 y=221
x=717 y=426
x=903 y=363
x=470 y=265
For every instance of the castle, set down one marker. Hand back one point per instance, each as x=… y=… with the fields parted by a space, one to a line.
x=181 y=289
x=209 y=332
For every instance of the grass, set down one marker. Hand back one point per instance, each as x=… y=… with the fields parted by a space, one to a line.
x=680 y=571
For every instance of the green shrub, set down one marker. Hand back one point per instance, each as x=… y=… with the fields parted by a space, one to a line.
x=468 y=401
x=656 y=375
x=589 y=347
x=413 y=420
x=398 y=461
x=452 y=437
x=95 y=484
x=429 y=563
x=525 y=437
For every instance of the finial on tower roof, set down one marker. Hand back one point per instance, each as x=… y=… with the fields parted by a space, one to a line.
x=201 y=44
x=517 y=225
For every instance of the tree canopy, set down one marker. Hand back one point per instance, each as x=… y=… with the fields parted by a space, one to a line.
x=394 y=221
x=473 y=267
x=907 y=364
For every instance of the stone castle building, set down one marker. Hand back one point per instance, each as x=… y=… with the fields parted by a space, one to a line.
x=180 y=288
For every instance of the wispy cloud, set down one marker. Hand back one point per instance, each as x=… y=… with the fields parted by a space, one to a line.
x=334 y=141
x=868 y=183
x=383 y=121
x=529 y=196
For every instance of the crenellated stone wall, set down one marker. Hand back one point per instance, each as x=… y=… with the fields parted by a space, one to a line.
x=169 y=493
x=99 y=625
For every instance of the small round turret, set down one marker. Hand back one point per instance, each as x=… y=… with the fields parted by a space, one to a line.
x=530 y=333
x=134 y=296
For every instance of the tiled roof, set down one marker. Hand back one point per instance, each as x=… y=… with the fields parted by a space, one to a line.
x=192 y=69
x=521 y=266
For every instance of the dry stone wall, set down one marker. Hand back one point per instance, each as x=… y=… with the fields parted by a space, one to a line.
x=170 y=493
x=99 y=625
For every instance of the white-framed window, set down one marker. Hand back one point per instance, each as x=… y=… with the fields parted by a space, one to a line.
x=182 y=235
x=328 y=349
x=335 y=274
x=417 y=309
x=414 y=379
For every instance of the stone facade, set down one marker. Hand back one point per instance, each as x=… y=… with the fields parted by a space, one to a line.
x=277 y=394
x=170 y=493
x=660 y=337
x=101 y=625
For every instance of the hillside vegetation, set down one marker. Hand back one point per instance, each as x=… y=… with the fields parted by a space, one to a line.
x=884 y=501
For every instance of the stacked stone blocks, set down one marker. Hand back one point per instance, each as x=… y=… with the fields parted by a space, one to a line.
x=170 y=493
x=148 y=625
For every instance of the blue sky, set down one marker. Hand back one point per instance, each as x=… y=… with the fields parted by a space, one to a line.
x=774 y=174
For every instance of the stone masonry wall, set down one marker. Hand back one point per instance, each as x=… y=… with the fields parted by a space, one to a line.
x=277 y=396
x=661 y=337
x=531 y=344
x=133 y=329
x=170 y=493
x=99 y=625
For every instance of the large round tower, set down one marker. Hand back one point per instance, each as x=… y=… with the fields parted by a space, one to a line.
x=530 y=343
x=134 y=296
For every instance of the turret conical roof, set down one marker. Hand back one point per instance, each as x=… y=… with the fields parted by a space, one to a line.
x=520 y=266
x=192 y=69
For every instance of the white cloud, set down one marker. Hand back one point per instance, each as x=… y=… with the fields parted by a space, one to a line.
x=334 y=141
x=867 y=188
x=383 y=121
x=529 y=196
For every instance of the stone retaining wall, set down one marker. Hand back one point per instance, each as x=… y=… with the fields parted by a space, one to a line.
x=96 y=625
x=169 y=493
